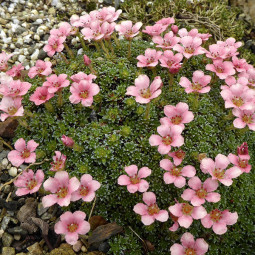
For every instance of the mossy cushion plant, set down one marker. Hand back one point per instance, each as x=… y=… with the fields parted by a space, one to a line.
x=142 y=127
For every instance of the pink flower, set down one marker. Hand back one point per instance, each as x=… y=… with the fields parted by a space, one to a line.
x=199 y=83
x=166 y=21
x=184 y=32
x=93 y=32
x=12 y=107
x=244 y=117
x=62 y=187
x=240 y=64
x=190 y=46
x=150 y=59
x=71 y=225
x=82 y=76
x=150 y=210
x=240 y=162
x=177 y=156
x=171 y=61
x=200 y=192
x=127 y=29
x=204 y=37
x=3 y=61
x=175 y=174
x=58 y=163
x=189 y=246
x=41 y=68
x=29 y=182
x=219 y=220
x=15 y=88
x=177 y=115
x=87 y=60
x=143 y=90
x=23 y=153
x=217 y=52
x=167 y=42
x=175 y=29
x=218 y=170
x=186 y=213
x=107 y=29
x=169 y=136
x=55 y=83
x=221 y=68
x=243 y=152
x=175 y=226
x=64 y=30
x=15 y=71
x=41 y=95
x=250 y=75
x=87 y=189
x=155 y=30
x=67 y=141
x=55 y=44
x=105 y=14
x=83 y=92
x=75 y=20
x=134 y=181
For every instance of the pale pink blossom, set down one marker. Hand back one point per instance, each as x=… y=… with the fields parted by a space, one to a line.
x=201 y=192
x=67 y=141
x=84 y=20
x=58 y=163
x=5 y=79
x=177 y=156
x=87 y=189
x=4 y=61
x=134 y=180
x=75 y=20
x=41 y=68
x=150 y=210
x=204 y=37
x=177 y=115
x=15 y=71
x=16 y=88
x=55 y=44
x=28 y=182
x=107 y=29
x=217 y=52
x=244 y=117
x=127 y=29
x=108 y=14
x=184 y=32
x=86 y=60
x=143 y=90
x=186 y=213
x=176 y=174
x=82 y=76
x=166 y=21
x=72 y=225
x=171 y=61
x=41 y=95
x=23 y=153
x=61 y=188
x=190 y=46
x=55 y=82
x=221 y=68
x=189 y=246
x=250 y=75
x=83 y=92
x=167 y=42
x=12 y=107
x=64 y=30
x=219 y=220
x=169 y=136
x=240 y=65
x=149 y=59
x=241 y=163
x=217 y=169
x=93 y=32
x=199 y=83
x=155 y=30
x=231 y=80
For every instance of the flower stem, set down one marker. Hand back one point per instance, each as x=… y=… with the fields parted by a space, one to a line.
x=147 y=111
x=111 y=47
x=154 y=72
x=196 y=101
x=129 y=48
x=60 y=98
x=49 y=106
x=97 y=46
x=23 y=123
x=69 y=51
x=116 y=40
x=92 y=70
x=105 y=49
x=82 y=41
x=171 y=81
x=64 y=58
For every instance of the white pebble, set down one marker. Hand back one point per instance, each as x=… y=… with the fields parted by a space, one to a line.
x=80 y=51
x=21 y=58
x=13 y=171
x=5 y=162
x=34 y=56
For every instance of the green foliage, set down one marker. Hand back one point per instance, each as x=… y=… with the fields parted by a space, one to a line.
x=113 y=133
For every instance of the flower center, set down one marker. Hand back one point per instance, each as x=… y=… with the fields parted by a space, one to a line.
x=201 y=193
x=62 y=192
x=238 y=101
x=173 y=217
x=25 y=153
x=219 y=173
x=175 y=171
x=215 y=215
x=180 y=154
x=189 y=50
x=243 y=163
x=42 y=97
x=134 y=179
x=40 y=70
x=84 y=94
x=72 y=227
x=153 y=209
x=31 y=184
x=145 y=93
x=190 y=251
x=219 y=69
x=84 y=191
x=167 y=140
x=12 y=110
x=196 y=86
x=170 y=63
x=57 y=165
x=54 y=46
x=187 y=209
x=247 y=119
x=176 y=120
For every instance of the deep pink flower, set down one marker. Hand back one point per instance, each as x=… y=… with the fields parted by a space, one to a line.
x=177 y=156
x=150 y=59
x=177 y=115
x=150 y=210
x=67 y=141
x=15 y=71
x=62 y=187
x=12 y=107
x=175 y=174
x=83 y=92
x=155 y=30
x=218 y=170
x=55 y=83
x=23 y=153
x=143 y=90
x=240 y=162
x=41 y=95
x=186 y=213
x=29 y=182
x=3 y=61
x=16 y=88
x=87 y=60
x=243 y=152
x=221 y=68
x=244 y=117
x=169 y=136
x=189 y=246
x=71 y=225
x=134 y=181
x=55 y=44
x=127 y=29
x=171 y=61
x=87 y=189
x=41 y=68
x=166 y=21
x=219 y=220
x=200 y=192
x=82 y=76
x=175 y=29
x=58 y=163
x=199 y=83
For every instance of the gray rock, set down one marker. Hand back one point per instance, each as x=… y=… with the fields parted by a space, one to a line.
x=3 y=154
x=5 y=222
x=7 y=189
x=20 y=30
x=7 y=239
x=17 y=231
x=42 y=54
x=41 y=210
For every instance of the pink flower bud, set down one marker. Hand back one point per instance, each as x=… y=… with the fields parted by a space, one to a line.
x=68 y=141
x=175 y=29
x=243 y=149
x=87 y=60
